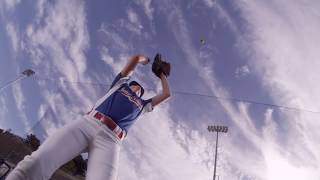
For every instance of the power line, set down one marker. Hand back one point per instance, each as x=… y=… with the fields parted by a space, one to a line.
x=234 y=99
x=247 y=101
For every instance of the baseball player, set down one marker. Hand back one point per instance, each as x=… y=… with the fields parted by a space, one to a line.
x=100 y=132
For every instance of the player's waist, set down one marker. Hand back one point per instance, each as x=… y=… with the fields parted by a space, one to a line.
x=106 y=120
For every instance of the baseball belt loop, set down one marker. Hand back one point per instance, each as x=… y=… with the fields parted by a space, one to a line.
x=117 y=130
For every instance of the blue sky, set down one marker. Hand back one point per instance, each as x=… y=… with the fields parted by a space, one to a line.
x=259 y=51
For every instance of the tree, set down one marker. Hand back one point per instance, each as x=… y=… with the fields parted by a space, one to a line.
x=77 y=166
x=32 y=141
x=81 y=165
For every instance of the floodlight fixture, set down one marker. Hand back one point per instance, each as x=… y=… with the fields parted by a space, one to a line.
x=223 y=129
x=28 y=72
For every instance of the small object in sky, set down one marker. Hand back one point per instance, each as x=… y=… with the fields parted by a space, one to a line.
x=202 y=41
x=28 y=72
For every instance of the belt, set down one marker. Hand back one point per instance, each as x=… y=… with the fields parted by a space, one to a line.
x=110 y=124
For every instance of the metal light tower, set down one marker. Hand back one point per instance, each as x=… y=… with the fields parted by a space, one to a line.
x=222 y=129
x=24 y=74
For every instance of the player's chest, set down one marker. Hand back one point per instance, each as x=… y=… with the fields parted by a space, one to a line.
x=130 y=98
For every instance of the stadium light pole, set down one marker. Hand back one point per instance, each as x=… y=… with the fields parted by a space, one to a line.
x=217 y=129
x=24 y=74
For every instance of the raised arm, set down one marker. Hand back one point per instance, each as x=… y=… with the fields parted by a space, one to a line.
x=132 y=63
x=165 y=94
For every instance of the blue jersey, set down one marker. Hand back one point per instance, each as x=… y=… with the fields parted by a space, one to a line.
x=121 y=104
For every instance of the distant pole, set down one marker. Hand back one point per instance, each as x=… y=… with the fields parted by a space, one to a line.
x=24 y=74
x=217 y=129
x=215 y=157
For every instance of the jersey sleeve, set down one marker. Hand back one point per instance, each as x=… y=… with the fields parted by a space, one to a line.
x=119 y=80
x=147 y=106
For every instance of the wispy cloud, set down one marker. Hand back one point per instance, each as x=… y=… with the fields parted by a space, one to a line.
x=209 y=3
x=20 y=101
x=56 y=40
x=223 y=14
x=116 y=48
x=135 y=24
x=109 y=60
x=181 y=33
x=283 y=89
x=14 y=36
x=48 y=120
x=143 y=156
x=148 y=9
x=116 y=41
x=64 y=36
x=282 y=39
x=159 y=146
x=242 y=71
x=153 y=153
x=241 y=119
x=8 y=6
x=63 y=39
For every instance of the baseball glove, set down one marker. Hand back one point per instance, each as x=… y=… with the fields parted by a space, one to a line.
x=160 y=66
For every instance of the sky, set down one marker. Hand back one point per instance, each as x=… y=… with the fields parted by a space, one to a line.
x=261 y=51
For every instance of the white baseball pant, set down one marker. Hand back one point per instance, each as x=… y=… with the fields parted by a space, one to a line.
x=79 y=136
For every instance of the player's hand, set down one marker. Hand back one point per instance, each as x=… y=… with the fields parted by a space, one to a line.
x=143 y=59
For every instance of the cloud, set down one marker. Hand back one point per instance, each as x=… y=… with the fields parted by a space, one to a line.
x=182 y=35
x=134 y=24
x=242 y=71
x=153 y=153
x=109 y=60
x=64 y=37
x=148 y=10
x=223 y=14
x=116 y=49
x=41 y=7
x=116 y=42
x=162 y=147
x=241 y=119
x=270 y=128
x=133 y=17
x=47 y=120
x=8 y=5
x=209 y=3
x=143 y=157
x=57 y=40
x=20 y=101
x=275 y=47
x=279 y=166
x=283 y=51
x=13 y=34
x=280 y=88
